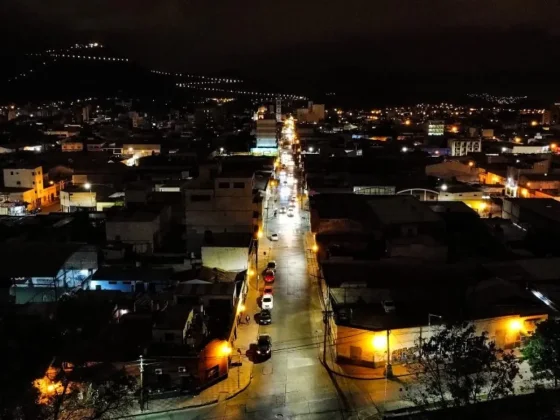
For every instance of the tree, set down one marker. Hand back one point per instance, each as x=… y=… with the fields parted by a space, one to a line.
x=457 y=368
x=542 y=351
x=92 y=392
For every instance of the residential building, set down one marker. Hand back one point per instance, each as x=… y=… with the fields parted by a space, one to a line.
x=43 y=271
x=26 y=184
x=143 y=229
x=463 y=146
x=227 y=251
x=396 y=310
x=218 y=202
x=72 y=146
x=131 y=279
x=76 y=197
x=312 y=114
x=462 y=171
x=267 y=134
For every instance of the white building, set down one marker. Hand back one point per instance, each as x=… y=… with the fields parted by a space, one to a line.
x=462 y=147
x=436 y=128
x=267 y=134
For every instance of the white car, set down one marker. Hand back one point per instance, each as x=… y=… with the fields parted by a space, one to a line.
x=267 y=302
x=290 y=214
x=274 y=237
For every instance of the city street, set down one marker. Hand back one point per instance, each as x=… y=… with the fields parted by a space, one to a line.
x=293 y=383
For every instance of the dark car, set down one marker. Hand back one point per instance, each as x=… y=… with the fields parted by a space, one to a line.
x=265 y=317
x=264 y=346
x=271 y=265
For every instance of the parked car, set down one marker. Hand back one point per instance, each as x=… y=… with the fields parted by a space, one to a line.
x=267 y=302
x=264 y=346
x=274 y=237
x=283 y=210
x=271 y=265
x=290 y=214
x=267 y=290
x=269 y=276
x=265 y=317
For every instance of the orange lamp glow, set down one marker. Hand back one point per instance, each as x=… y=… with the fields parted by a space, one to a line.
x=379 y=342
x=225 y=349
x=515 y=325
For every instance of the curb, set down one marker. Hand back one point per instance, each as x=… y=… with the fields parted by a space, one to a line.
x=377 y=378
x=207 y=404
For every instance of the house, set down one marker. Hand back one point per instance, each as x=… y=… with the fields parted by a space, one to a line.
x=227 y=251
x=143 y=229
x=218 y=202
x=43 y=271
x=26 y=184
x=130 y=279
x=394 y=226
x=393 y=309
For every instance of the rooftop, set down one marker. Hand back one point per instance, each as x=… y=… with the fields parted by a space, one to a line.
x=35 y=259
x=213 y=289
x=132 y=274
x=401 y=209
x=544 y=207
x=228 y=240
x=486 y=298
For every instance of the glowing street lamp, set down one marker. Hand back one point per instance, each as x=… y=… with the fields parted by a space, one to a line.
x=87 y=186
x=225 y=349
x=310 y=149
x=443 y=187
x=259 y=234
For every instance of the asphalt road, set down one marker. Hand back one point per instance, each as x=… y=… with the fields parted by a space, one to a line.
x=293 y=383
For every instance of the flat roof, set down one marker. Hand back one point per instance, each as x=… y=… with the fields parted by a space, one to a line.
x=487 y=298
x=544 y=207
x=35 y=259
x=133 y=216
x=401 y=209
x=112 y=273
x=228 y=240
x=213 y=289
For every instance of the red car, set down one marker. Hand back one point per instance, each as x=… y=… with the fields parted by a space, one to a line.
x=268 y=276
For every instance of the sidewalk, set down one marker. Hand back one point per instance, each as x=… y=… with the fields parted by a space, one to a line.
x=240 y=370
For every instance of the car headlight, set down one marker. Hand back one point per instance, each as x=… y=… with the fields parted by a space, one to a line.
x=258 y=352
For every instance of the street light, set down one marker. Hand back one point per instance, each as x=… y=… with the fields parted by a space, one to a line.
x=443 y=187
x=225 y=349
x=430 y=318
x=310 y=149
x=87 y=186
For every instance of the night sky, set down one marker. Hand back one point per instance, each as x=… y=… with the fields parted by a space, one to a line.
x=294 y=36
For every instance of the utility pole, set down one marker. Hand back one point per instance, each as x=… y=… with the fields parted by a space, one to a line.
x=389 y=369
x=141 y=383
x=257 y=261
x=326 y=321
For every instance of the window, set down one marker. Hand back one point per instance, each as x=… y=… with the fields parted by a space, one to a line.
x=223 y=184
x=12 y=172
x=33 y=182
x=238 y=185
x=18 y=182
x=33 y=173
x=200 y=197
